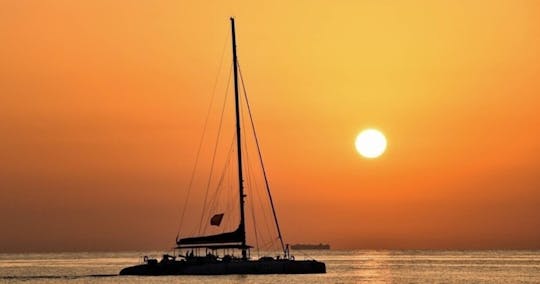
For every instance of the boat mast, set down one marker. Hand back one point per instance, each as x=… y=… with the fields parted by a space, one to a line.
x=238 y=143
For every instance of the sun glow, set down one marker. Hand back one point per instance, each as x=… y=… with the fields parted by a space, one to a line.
x=370 y=143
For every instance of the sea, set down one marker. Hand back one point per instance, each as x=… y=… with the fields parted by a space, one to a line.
x=343 y=266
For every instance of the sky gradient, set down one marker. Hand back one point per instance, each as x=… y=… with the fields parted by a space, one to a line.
x=102 y=104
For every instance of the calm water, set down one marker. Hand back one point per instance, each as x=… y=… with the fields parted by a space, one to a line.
x=342 y=267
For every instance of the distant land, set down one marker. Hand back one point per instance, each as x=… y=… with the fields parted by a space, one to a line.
x=310 y=246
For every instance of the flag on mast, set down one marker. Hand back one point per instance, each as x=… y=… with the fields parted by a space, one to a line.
x=216 y=219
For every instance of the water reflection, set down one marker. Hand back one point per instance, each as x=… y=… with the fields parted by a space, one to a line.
x=342 y=267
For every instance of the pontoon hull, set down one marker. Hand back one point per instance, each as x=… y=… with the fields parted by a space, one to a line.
x=222 y=268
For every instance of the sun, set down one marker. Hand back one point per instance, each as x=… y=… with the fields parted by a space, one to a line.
x=370 y=143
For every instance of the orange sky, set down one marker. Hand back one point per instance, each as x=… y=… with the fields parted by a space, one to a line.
x=102 y=105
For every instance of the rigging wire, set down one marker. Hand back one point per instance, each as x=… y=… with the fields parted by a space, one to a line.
x=250 y=182
x=214 y=153
x=261 y=160
x=222 y=176
x=269 y=244
x=219 y=186
x=254 y=185
x=264 y=211
x=220 y=181
x=190 y=184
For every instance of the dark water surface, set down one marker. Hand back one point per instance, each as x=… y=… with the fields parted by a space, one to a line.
x=392 y=266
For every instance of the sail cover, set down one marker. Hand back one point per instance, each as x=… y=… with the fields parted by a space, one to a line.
x=236 y=236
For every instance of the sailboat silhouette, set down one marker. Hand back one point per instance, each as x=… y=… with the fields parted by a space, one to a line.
x=213 y=263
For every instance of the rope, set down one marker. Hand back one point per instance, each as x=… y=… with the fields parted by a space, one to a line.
x=214 y=154
x=264 y=210
x=261 y=161
x=219 y=186
x=249 y=180
x=190 y=184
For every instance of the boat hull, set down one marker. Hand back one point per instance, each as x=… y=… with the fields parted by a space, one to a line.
x=223 y=268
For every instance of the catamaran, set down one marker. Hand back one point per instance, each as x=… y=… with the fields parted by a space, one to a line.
x=212 y=262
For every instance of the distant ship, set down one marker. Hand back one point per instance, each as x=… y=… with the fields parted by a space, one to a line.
x=310 y=246
x=214 y=254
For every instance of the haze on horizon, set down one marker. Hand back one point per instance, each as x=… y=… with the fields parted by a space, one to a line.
x=102 y=105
